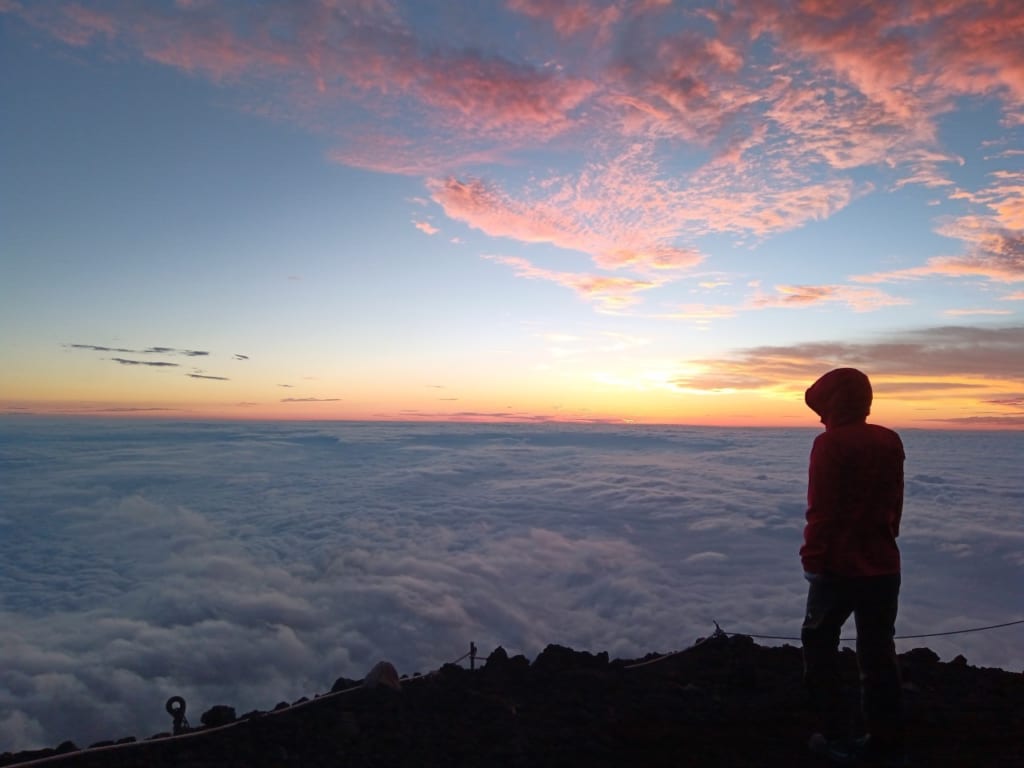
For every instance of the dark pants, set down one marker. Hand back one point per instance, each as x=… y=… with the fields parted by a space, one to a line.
x=873 y=601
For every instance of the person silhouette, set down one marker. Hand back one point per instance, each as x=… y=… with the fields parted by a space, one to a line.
x=852 y=563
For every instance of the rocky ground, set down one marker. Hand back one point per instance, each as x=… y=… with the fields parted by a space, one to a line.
x=725 y=702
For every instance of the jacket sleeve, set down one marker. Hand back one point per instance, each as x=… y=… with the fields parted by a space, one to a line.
x=898 y=490
x=822 y=504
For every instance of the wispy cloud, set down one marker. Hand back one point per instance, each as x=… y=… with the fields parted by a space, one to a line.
x=173 y=351
x=144 y=351
x=95 y=348
x=310 y=399
x=969 y=356
x=129 y=409
x=574 y=17
x=994 y=236
x=977 y=311
x=795 y=296
x=610 y=293
x=856 y=298
x=571 y=218
x=702 y=313
x=151 y=363
x=204 y=376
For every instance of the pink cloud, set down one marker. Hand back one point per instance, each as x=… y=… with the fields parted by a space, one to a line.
x=1005 y=197
x=902 y=60
x=610 y=293
x=72 y=24
x=908 y=57
x=687 y=85
x=856 y=43
x=795 y=296
x=998 y=256
x=625 y=214
x=571 y=219
x=320 y=55
x=474 y=92
x=979 y=44
x=649 y=257
x=571 y=18
x=426 y=227
x=772 y=104
x=485 y=207
x=790 y=297
x=864 y=84
x=993 y=236
x=402 y=155
x=84 y=24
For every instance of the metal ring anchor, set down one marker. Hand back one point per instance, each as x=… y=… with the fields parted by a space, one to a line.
x=176 y=709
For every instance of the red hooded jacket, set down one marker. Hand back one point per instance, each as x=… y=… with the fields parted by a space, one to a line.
x=855 y=483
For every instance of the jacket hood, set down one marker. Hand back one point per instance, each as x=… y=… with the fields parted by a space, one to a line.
x=841 y=396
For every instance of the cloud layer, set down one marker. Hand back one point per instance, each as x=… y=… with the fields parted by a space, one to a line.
x=242 y=564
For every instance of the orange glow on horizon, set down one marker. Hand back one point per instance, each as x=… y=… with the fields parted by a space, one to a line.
x=732 y=410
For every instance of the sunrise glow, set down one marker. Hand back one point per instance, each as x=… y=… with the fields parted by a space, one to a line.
x=598 y=211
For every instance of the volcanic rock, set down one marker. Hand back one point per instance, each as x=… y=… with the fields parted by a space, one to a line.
x=724 y=702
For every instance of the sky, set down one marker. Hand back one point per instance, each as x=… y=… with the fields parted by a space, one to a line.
x=528 y=210
x=244 y=563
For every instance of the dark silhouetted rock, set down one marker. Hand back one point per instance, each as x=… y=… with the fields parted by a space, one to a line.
x=724 y=703
x=343 y=684
x=218 y=715
x=383 y=675
x=559 y=658
x=920 y=657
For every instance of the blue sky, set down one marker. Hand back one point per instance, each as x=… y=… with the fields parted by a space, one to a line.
x=594 y=211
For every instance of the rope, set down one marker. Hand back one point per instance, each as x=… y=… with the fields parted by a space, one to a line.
x=962 y=631
x=719 y=632
x=895 y=637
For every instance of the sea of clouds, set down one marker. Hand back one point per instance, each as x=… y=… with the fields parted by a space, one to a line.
x=245 y=564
